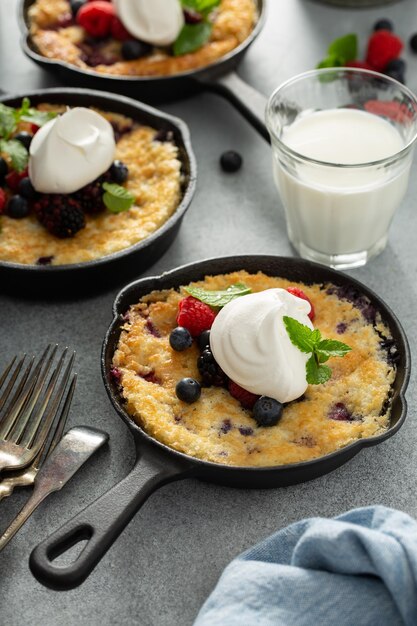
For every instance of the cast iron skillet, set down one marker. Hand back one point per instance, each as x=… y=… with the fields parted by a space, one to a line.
x=219 y=76
x=102 y=521
x=129 y=261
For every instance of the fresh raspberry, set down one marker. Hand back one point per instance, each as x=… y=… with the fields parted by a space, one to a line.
x=396 y=111
x=300 y=294
x=363 y=65
x=34 y=128
x=194 y=315
x=118 y=31
x=383 y=46
x=96 y=17
x=3 y=200
x=246 y=398
x=13 y=179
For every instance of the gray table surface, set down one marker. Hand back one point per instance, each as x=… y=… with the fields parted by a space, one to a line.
x=170 y=556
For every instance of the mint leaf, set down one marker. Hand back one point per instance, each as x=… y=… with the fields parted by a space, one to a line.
x=307 y=340
x=191 y=37
x=116 y=198
x=17 y=153
x=301 y=336
x=330 y=61
x=333 y=347
x=317 y=374
x=345 y=48
x=37 y=117
x=219 y=298
x=201 y=6
x=7 y=120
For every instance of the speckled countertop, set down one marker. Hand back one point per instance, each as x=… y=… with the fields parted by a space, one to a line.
x=170 y=556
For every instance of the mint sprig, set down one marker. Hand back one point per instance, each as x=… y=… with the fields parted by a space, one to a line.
x=307 y=340
x=340 y=51
x=193 y=36
x=204 y=7
x=17 y=152
x=10 y=117
x=219 y=298
x=9 y=121
x=116 y=198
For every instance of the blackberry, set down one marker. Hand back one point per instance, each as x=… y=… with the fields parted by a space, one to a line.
x=413 y=42
x=60 y=214
x=90 y=197
x=210 y=371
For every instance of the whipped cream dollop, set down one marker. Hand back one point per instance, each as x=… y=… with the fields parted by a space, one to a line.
x=71 y=151
x=157 y=22
x=251 y=344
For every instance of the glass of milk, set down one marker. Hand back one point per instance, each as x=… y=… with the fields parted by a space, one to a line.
x=342 y=143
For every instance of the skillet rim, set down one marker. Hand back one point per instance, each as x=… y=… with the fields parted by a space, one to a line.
x=238 y=261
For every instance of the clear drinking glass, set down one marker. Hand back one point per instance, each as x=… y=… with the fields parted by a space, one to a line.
x=339 y=214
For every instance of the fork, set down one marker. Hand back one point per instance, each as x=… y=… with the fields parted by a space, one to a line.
x=26 y=476
x=30 y=414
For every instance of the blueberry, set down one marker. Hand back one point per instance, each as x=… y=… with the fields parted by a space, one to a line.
x=384 y=24
x=26 y=189
x=231 y=161
x=180 y=339
x=134 y=49
x=119 y=172
x=413 y=42
x=396 y=65
x=17 y=207
x=396 y=76
x=188 y=390
x=24 y=138
x=204 y=340
x=76 y=6
x=3 y=169
x=267 y=411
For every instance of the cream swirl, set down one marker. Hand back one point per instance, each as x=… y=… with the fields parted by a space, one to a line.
x=157 y=22
x=71 y=151
x=251 y=344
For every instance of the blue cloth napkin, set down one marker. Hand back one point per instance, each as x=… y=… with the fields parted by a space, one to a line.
x=359 y=569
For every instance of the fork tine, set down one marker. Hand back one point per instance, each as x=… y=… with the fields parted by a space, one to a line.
x=62 y=420
x=12 y=380
x=28 y=396
x=29 y=432
x=46 y=450
x=6 y=371
x=38 y=438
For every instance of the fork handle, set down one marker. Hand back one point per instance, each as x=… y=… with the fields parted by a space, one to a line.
x=24 y=513
x=101 y=522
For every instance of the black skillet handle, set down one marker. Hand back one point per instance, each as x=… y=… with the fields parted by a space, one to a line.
x=101 y=522
x=245 y=98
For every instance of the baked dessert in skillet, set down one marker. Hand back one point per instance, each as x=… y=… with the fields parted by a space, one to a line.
x=138 y=37
x=244 y=393
x=80 y=184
